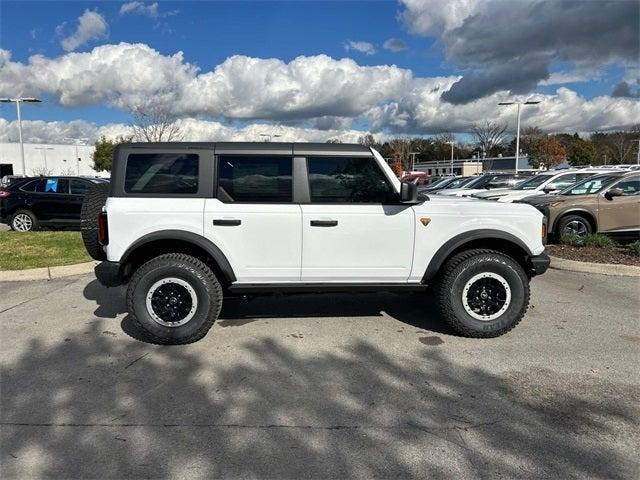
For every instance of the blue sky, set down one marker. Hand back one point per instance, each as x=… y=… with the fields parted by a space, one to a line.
x=210 y=32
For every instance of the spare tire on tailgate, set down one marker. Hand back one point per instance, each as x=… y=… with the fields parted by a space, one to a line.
x=92 y=205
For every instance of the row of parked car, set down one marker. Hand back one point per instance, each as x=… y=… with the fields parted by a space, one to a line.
x=574 y=201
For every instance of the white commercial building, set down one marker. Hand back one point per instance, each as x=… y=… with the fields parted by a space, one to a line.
x=47 y=159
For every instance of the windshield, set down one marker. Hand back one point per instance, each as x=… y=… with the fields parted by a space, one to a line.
x=477 y=182
x=533 y=182
x=590 y=185
x=459 y=182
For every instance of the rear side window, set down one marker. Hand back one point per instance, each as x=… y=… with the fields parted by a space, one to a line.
x=257 y=179
x=162 y=173
x=348 y=180
x=30 y=186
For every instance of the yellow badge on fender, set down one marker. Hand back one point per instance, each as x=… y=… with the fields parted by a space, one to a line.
x=425 y=221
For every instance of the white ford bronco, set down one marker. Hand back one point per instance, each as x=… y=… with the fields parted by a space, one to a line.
x=186 y=224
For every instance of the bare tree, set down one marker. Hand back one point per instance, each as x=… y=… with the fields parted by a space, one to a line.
x=367 y=140
x=400 y=150
x=489 y=135
x=41 y=172
x=154 y=123
x=620 y=145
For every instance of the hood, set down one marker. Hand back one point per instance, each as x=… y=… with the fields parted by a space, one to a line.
x=470 y=207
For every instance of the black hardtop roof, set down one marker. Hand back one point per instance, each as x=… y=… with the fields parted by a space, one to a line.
x=274 y=148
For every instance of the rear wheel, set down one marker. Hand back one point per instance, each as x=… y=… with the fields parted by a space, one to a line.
x=174 y=298
x=92 y=204
x=482 y=293
x=24 y=221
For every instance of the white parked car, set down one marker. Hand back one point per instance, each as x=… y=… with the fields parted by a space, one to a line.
x=186 y=224
x=487 y=181
x=546 y=182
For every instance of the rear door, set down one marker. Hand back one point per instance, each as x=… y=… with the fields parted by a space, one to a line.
x=621 y=214
x=354 y=230
x=253 y=218
x=51 y=200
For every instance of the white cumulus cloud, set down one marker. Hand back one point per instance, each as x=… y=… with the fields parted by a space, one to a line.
x=91 y=26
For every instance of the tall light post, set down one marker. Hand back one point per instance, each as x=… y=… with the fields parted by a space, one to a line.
x=518 y=103
x=452 y=144
x=18 y=101
x=638 y=152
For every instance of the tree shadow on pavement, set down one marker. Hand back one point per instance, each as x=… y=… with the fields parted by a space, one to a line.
x=95 y=406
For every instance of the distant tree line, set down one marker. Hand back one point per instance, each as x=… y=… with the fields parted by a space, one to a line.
x=489 y=139
x=544 y=150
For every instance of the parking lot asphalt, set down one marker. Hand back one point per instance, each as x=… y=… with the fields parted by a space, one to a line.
x=321 y=386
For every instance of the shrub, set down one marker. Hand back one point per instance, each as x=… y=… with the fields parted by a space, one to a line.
x=634 y=248
x=571 y=239
x=598 y=240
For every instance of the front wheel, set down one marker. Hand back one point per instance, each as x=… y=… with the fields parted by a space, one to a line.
x=174 y=299
x=482 y=293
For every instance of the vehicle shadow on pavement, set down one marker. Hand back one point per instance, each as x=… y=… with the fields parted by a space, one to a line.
x=414 y=309
x=95 y=406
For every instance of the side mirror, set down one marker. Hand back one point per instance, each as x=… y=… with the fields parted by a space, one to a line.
x=408 y=193
x=614 y=192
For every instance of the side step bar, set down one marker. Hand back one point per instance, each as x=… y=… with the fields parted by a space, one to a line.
x=284 y=288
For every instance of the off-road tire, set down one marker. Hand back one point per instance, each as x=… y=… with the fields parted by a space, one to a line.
x=564 y=221
x=186 y=268
x=458 y=270
x=34 y=220
x=92 y=205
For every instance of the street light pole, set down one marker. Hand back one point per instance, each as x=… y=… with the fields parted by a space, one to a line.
x=518 y=103
x=638 y=152
x=452 y=144
x=17 y=101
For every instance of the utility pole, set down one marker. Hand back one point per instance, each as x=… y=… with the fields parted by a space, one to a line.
x=18 y=101
x=452 y=144
x=518 y=103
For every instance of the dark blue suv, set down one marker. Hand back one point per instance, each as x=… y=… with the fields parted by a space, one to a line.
x=32 y=203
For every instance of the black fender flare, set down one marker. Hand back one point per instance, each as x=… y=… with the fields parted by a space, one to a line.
x=185 y=236
x=459 y=240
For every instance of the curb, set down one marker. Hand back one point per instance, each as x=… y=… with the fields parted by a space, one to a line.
x=46 y=273
x=558 y=263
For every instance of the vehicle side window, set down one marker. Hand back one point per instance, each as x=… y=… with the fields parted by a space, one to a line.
x=31 y=186
x=255 y=178
x=501 y=182
x=563 y=181
x=162 y=173
x=348 y=180
x=629 y=186
x=53 y=185
x=78 y=187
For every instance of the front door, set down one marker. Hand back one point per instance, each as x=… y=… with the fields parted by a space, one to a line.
x=354 y=230
x=622 y=213
x=253 y=220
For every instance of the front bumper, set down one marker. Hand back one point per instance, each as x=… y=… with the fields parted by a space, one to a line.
x=109 y=274
x=538 y=264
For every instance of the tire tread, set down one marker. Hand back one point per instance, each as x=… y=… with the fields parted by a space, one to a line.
x=213 y=285
x=443 y=295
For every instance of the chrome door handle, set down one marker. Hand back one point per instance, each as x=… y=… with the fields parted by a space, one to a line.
x=324 y=223
x=222 y=222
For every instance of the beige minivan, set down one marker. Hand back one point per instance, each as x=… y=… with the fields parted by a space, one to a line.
x=607 y=203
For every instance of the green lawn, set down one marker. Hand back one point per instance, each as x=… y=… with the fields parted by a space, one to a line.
x=19 y=251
